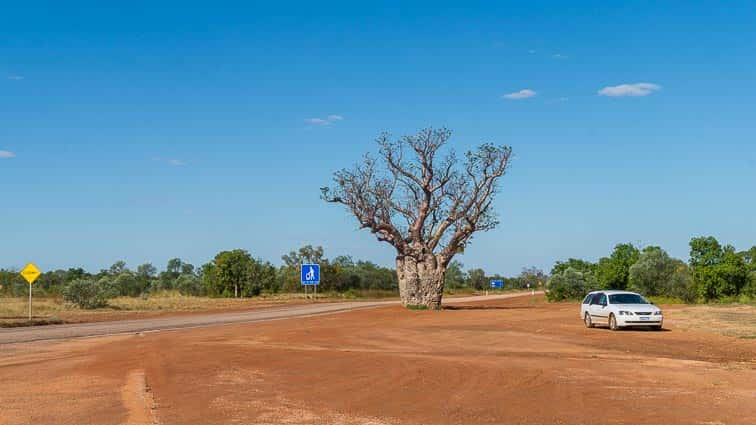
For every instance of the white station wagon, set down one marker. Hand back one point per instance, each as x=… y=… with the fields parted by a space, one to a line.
x=619 y=309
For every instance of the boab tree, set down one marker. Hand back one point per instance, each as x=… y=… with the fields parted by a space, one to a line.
x=423 y=202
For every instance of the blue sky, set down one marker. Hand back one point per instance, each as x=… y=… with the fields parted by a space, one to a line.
x=150 y=132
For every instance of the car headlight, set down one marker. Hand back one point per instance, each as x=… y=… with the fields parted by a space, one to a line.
x=658 y=313
x=625 y=313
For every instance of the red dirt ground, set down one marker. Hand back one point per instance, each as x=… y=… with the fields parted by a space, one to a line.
x=499 y=362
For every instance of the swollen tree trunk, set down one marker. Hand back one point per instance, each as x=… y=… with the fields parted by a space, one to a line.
x=421 y=283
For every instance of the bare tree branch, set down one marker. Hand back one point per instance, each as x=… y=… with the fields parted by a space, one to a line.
x=442 y=203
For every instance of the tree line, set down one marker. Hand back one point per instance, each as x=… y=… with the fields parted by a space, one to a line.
x=713 y=272
x=234 y=273
x=477 y=278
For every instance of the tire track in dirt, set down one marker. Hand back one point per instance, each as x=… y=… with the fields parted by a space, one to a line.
x=138 y=400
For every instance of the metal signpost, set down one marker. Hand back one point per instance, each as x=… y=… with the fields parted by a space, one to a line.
x=310 y=274
x=30 y=273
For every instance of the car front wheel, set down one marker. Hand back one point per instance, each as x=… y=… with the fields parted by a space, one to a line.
x=613 y=323
x=587 y=320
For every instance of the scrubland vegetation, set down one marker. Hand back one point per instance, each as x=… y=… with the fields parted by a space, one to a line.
x=230 y=274
x=714 y=273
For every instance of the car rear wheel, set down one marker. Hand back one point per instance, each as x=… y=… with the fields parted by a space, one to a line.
x=587 y=320
x=613 y=323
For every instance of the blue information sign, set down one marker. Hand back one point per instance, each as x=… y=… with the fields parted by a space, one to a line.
x=498 y=284
x=310 y=274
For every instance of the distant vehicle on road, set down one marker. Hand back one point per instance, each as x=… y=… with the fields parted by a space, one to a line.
x=620 y=309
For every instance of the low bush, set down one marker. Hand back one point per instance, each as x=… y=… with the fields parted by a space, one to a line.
x=569 y=284
x=85 y=293
x=190 y=285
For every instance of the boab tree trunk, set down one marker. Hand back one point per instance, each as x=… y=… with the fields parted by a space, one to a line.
x=426 y=206
x=421 y=283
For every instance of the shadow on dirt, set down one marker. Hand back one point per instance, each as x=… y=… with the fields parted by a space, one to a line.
x=634 y=329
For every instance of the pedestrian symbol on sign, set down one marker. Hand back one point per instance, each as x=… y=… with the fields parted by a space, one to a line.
x=310 y=274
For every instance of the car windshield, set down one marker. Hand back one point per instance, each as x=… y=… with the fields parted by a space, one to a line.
x=627 y=299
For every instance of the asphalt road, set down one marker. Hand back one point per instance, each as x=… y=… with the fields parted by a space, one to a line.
x=82 y=330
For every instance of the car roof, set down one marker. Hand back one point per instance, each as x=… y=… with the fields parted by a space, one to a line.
x=613 y=292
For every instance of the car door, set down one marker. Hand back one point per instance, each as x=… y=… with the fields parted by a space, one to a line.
x=585 y=305
x=598 y=309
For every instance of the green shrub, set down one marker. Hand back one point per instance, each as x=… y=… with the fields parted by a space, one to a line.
x=569 y=284
x=351 y=293
x=681 y=285
x=108 y=286
x=749 y=289
x=652 y=273
x=85 y=293
x=253 y=291
x=127 y=284
x=189 y=285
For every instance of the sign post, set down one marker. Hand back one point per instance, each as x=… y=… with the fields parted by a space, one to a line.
x=30 y=273
x=310 y=275
x=497 y=284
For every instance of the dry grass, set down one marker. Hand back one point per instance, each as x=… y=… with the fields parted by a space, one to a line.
x=14 y=311
x=731 y=320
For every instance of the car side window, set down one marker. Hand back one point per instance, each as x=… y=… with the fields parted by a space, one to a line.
x=601 y=299
x=588 y=299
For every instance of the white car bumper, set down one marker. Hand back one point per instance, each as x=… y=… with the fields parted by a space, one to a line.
x=650 y=320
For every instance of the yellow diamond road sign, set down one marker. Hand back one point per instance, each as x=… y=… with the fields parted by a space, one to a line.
x=30 y=273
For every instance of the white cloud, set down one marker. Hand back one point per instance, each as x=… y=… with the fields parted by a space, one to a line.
x=330 y=119
x=522 y=94
x=7 y=154
x=559 y=56
x=636 y=89
x=15 y=77
x=176 y=162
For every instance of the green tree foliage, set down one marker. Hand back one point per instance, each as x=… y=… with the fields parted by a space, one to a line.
x=232 y=273
x=455 y=277
x=681 y=283
x=51 y=283
x=750 y=289
x=476 y=279
x=531 y=277
x=613 y=272
x=128 y=285
x=12 y=284
x=146 y=271
x=190 y=285
x=85 y=293
x=717 y=271
x=262 y=276
x=145 y=275
x=117 y=268
x=569 y=284
x=574 y=263
x=750 y=258
x=652 y=273
x=167 y=279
